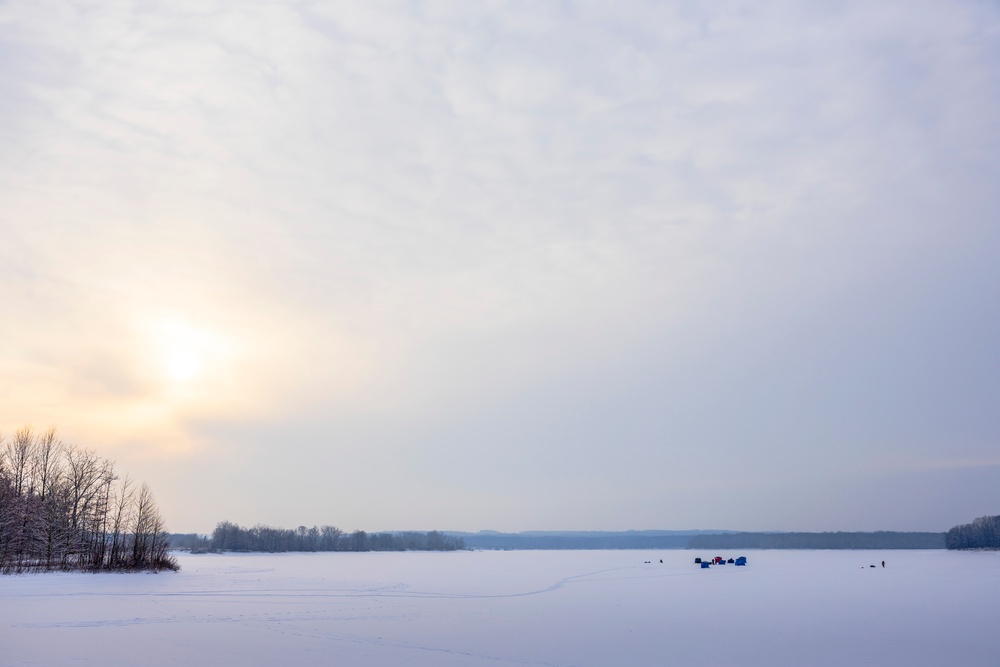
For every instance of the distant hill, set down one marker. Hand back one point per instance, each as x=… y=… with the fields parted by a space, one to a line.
x=882 y=539
x=699 y=539
x=631 y=539
x=642 y=539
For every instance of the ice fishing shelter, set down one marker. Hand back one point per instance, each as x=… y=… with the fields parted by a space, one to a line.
x=742 y=560
x=704 y=564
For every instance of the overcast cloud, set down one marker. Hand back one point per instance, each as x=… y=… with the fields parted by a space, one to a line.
x=510 y=265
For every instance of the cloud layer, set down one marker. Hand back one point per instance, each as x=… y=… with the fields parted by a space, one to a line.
x=512 y=265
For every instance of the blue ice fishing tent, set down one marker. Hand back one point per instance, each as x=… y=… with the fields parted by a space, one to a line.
x=742 y=560
x=704 y=564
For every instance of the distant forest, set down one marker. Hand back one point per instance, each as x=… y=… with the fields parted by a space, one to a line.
x=65 y=508
x=983 y=533
x=693 y=539
x=569 y=540
x=839 y=540
x=229 y=536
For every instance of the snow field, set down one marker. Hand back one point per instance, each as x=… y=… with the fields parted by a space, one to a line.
x=565 y=608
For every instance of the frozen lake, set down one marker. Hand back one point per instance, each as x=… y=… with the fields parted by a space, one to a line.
x=588 y=608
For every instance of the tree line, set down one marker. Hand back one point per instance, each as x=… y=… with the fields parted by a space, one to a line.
x=983 y=533
x=229 y=536
x=574 y=540
x=838 y=540
x=65 y=508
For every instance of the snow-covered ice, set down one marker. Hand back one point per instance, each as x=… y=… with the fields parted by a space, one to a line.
x=561 y=608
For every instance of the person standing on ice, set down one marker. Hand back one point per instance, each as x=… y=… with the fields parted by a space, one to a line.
x=883 y=563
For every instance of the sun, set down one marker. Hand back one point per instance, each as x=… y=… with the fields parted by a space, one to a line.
x=182 y=353
x=183 y=366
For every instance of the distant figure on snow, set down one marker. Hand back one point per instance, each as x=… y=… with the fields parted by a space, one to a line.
x=883 y=563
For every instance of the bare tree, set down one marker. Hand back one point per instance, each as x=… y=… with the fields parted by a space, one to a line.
x=48 y=473
x=122 y=505
x=62 y=506
x=150 y=544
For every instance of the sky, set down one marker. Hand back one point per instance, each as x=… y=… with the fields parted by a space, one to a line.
x=510 y=265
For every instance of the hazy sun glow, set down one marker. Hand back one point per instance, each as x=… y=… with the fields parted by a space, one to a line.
x=184 y=355
x=183 y=366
